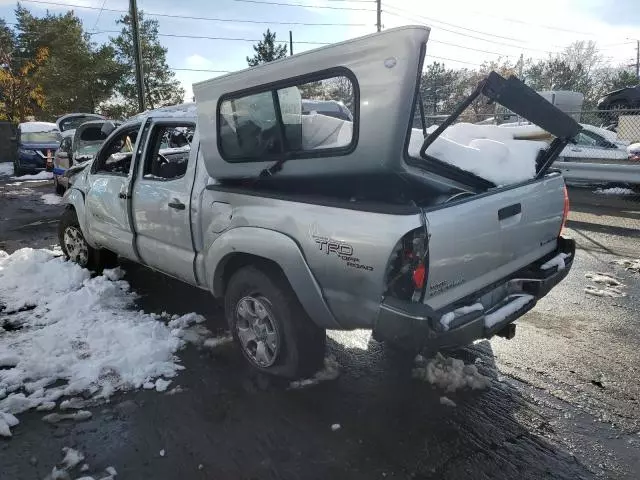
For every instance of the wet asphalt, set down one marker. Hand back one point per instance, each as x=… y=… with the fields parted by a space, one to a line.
x=564 y=401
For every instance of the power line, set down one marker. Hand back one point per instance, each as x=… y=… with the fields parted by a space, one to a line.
x=468 y=48
x=193 y=17
x=305 y=5
x=453 y=60
x=206 y=37
x=100 y=14
x=199 y=70
x=471 y=36
x=401 y=10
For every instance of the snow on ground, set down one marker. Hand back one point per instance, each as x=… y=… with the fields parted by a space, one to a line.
x=614 y=191
x=36 y=176
x=6 y=168
x=63 y=333
x=611 y=286
x=632 y=265
x=503 y=155
x=331 y=371
x=51 y=199
x=450 y=374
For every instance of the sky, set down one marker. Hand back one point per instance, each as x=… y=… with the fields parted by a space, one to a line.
x=464 y=33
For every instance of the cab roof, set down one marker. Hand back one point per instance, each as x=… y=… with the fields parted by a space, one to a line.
x=185 y=111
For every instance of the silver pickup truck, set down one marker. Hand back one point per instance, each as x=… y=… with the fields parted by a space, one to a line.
x=302 y=222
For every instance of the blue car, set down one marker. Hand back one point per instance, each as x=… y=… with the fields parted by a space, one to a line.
x=37 y=145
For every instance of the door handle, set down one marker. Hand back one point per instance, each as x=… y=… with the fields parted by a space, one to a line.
x=124 y=195
x=510 y=211
x=178 y=205
x=576 y=149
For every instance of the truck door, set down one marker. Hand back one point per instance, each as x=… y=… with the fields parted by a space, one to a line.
x=161 y=199
x=107 y=200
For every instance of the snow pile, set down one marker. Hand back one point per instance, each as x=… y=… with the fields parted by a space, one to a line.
x=502 y=155
x=6 y=168
x=612 y=287
x=61 y=326
x=37 y=127
x=331 y=371
x=51 y=199
x=37 y=176
x=557 y=261
x=449 y=317
x=447 y=402
x=634 y=149
x=629 y=264
x=614 y=191
x=450 y=374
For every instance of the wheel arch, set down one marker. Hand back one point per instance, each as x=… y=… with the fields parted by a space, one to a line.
x=267 y=249
x=75 y=200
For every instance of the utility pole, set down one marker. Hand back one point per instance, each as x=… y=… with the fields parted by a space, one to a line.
x=290 y=43
x=521 y=66
x=137 y=53
x=379 y=14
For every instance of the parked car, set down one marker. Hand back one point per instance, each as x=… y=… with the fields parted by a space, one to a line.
x=595 y=145
x=78 y=145
x=71 y=121
x=37 y=143
x=624 y=98
x=301 y=232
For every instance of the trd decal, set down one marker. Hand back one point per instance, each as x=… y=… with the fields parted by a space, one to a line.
x=342 y=250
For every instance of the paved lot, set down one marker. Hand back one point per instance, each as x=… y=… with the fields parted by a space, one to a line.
x=564 y=401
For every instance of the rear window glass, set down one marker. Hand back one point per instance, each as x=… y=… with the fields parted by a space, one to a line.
x=92 y=134
x=300 y=120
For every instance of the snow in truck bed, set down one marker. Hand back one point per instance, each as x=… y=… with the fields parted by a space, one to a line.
x=502 y=155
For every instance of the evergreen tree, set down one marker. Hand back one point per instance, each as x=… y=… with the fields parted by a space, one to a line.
x=161 y=86
x=267 y=50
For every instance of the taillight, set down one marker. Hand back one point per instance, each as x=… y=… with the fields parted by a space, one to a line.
x=419 y=276
x=565 y=212
x=407 y=270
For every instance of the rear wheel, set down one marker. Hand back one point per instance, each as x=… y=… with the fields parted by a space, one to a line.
x=274 y=332
x=75 y=247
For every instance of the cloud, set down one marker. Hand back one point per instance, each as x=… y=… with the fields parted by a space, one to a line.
x=198 y=61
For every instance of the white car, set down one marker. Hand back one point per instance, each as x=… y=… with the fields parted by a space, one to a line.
x=595 y=145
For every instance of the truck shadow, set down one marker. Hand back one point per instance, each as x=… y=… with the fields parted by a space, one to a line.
x=239 y=424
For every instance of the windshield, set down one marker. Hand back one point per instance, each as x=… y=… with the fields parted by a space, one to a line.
x=74 y=122
x=52 y=136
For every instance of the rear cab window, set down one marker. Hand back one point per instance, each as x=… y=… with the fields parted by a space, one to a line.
x=293 y=119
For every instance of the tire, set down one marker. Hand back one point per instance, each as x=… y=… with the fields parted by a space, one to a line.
x=75 y=247
x=618 y=105
x=59 y=188
x=284 y=341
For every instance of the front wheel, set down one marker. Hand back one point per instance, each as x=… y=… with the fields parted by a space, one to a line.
x=273 y=330
x=59 y=187
x=75 y=247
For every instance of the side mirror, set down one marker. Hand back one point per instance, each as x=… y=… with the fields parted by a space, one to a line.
x=107 y=128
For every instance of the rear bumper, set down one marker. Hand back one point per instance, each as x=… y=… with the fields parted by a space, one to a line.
x=417 y=326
